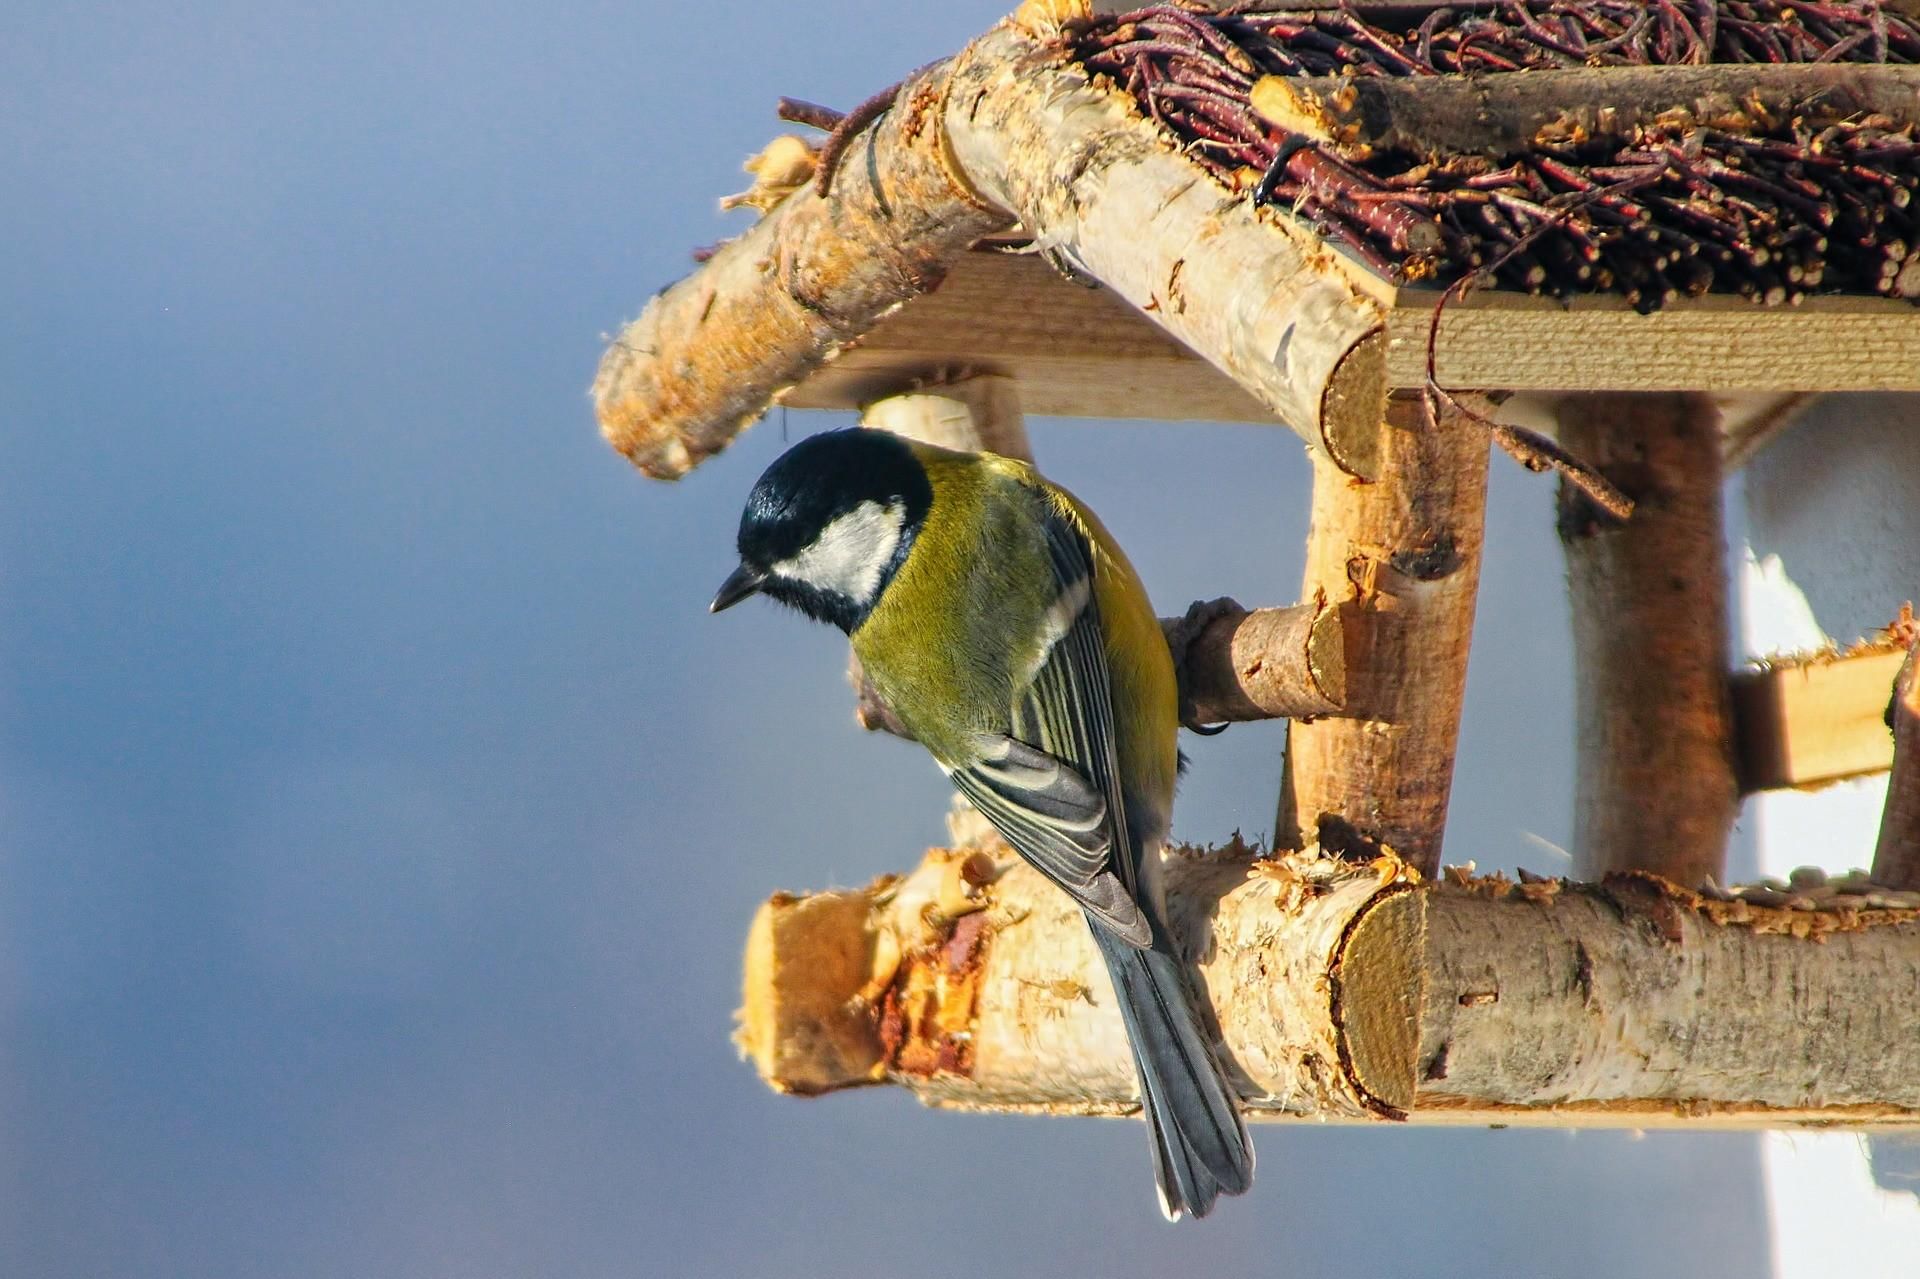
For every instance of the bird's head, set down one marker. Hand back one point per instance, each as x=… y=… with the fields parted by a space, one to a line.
x=829 y=524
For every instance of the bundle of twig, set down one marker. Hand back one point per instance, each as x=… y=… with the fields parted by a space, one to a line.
x=1676 y=209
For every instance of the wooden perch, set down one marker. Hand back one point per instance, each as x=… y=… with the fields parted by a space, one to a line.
x=1405 y=552
x=1810 y=722
x=1504 y=114
x=1655 y=788
x=1273 y=663
x=1347 y=993
x=1896 y=858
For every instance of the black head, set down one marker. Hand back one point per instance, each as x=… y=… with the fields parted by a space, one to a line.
x=829 y=524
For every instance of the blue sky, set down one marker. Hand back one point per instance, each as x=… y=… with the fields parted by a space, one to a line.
x=380 y=812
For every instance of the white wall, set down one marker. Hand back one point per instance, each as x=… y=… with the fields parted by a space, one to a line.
x=1833 y=516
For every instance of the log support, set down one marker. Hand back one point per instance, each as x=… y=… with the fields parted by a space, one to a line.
x=1348 y=993
x=1403 y=552
x=1655 y=788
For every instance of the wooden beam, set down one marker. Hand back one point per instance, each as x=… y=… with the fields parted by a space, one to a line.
x=1654 y=782
x=1074 y=350
x=1083 y=352
x=1349 y=994
x=1403 y=553
x=1809 y=722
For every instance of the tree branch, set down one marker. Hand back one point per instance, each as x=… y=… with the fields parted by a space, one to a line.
x=1506 y=114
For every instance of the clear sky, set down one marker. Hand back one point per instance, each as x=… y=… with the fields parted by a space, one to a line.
x=381 y=813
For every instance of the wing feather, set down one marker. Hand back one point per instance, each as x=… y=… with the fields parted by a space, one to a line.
x=1052 y=792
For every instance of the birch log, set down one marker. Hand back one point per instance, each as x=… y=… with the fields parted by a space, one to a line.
x=1096 y=183
x=1273 y=663
x=1008 y=129
x=1655 y=785
x=1507 y=114
x=1896 y=857
x=1347 y=993
x=707 y=356
x=1404 y=553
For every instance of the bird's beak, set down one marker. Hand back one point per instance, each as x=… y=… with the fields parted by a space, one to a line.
x=740 y=583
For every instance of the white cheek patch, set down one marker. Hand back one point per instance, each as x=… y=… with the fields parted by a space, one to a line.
x=850 y=553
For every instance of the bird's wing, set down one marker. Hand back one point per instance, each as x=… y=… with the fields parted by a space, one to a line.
x=1050 y=787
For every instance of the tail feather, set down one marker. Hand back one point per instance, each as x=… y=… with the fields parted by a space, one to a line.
x=1200 y=1145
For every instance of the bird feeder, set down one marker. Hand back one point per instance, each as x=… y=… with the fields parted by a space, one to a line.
x=1625 y=241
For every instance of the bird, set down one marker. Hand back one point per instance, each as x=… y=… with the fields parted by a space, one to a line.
x=1002 y=626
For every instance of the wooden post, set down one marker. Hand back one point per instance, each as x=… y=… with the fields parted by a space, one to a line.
x=1405 y=550
x=1896 y=858
x=977 y=412
x=1655 y=789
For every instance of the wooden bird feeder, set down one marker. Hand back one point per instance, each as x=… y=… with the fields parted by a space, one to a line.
x=1627 y=241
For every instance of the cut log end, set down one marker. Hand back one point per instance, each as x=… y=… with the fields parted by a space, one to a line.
x=1353 y=411
x=801 y=1022
x=1378 y=989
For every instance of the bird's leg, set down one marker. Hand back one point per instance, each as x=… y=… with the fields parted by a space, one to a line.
x=1180 y=636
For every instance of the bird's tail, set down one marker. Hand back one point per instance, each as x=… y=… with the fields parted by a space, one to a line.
x=1200 y=1145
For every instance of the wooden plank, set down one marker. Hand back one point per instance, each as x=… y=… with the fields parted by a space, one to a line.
x=1082 y=352
x=1076 y=351
x=1808 y=723
x=1510 y=341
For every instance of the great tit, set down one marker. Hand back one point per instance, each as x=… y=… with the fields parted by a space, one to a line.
x=1004 y=628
